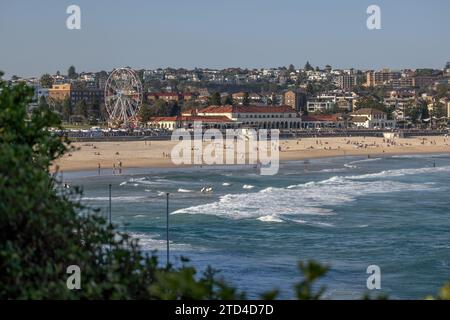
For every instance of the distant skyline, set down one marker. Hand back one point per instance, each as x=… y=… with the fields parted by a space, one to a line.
x=221 y=34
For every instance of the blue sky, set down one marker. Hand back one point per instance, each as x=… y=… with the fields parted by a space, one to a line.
x=218 y=34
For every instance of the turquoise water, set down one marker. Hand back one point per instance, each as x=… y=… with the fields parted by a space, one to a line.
x=347 y=212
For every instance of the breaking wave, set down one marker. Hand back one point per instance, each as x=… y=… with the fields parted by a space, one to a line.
x=400 y=172
x=311 y=198
x=152 y=241
x=115 y=199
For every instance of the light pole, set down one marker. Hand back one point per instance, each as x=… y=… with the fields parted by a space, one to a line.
x=109 y=213
x=167 y=226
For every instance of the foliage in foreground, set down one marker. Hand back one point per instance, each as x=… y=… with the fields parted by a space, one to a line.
x=43 y=231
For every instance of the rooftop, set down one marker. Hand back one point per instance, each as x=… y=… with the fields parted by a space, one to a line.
x=247 y=109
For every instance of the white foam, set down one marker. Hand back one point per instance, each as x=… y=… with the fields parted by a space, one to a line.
x=400 y=172
x=226 y=184
x=270 y=218
x=312 y=198
x=364 y=160
x=152 y=241
x=184 y=190
x=330 y=170
x=123 y=183
x=248 y=186
x=313 y=223
x=121 y=199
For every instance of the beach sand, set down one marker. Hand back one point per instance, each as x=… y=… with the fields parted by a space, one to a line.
x=156 y=154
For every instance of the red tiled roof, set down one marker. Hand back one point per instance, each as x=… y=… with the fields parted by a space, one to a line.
x=192 y=118
x=247 y=109
x=158 y=119
x=328 y=118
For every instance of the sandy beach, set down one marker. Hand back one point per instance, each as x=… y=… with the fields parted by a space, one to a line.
x=156 y=154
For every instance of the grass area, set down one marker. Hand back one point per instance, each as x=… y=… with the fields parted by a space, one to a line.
x=70 y=126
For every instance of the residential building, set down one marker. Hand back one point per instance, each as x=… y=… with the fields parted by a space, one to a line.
x=91 y=96
x=40 y=92
x=320 y=105
x=323 y=121
x=58 y=93
x=370 y=118
x=399 y=101
x=383 y=77
x=423 y=81
x=295 y=99
x=166 y=96
x=239 y=97
x=347 y=81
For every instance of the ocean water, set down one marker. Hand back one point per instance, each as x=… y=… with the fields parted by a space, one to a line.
x=349 y=213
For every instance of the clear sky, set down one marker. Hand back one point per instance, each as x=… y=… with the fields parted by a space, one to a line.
x=221 y=33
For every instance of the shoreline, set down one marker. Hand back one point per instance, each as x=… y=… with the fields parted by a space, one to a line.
x=156 y=154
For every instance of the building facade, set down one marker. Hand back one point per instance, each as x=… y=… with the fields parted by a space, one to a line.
x=228 y=116
x=58 y=93
x=369 y=118
x=91 y=96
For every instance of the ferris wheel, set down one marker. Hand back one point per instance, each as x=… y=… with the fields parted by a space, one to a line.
x=123 y=96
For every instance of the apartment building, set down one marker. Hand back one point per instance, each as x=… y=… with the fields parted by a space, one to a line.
x=295 y=99
x=58 y=93
x=382 y=77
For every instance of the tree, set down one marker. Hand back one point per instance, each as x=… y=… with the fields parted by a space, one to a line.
x=228 y=100
x=81 y=109
x=310 y=89
x=214 y=99
x=334 y=109
x=438 y=110
x=46 y=81
x=145 y=113
x=71 y=73
x=43 y=103
x=66 y=111
x=160 y=108
x=441 y=91
x=424 y=111
x=291 y=68
x=57 y=106
x=174 y=109
x=308 y=66
x=245 y=99
x=370 y=102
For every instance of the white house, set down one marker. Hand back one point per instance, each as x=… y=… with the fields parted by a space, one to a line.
x=370 y=118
